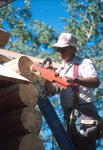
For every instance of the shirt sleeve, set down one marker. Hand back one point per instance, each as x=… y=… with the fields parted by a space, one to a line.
x=88 y=69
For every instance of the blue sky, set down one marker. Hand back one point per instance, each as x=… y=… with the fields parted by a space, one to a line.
x=47 y=11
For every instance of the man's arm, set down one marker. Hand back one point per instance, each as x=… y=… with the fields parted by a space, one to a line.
x=89 y=82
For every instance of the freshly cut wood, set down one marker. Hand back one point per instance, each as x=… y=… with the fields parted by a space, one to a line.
x=29 y=94
x=8 y=75
x=18 y=96
x=12 y=54
x=27 y=142
x=22 y=65
x=31 y=119
x=13 y=65
x=20 y=122
x=4 y=59
x=32 y=141
x=25 y=64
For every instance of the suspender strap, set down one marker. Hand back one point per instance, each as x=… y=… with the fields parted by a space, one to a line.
x=75 y=71
x=75 y=87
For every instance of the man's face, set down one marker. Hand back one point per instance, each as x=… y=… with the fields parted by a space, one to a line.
x=66 y=53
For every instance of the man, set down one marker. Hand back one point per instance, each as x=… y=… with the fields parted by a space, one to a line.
x=78 y=95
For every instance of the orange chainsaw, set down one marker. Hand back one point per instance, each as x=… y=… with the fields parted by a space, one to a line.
x=27 y=67
x=50 y=75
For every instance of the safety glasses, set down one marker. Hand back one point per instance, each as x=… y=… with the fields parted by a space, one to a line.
x=62 y=50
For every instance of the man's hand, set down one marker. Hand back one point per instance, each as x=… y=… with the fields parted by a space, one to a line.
x=48 y=66
x=71 y=80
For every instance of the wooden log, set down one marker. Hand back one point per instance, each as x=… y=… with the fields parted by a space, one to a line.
x=8 y=75
x=4 y=59
x=27 y=142
x=18 y=96
x=13 y=65
x=4 y=37
x=12 y=54
x=22 y=66
x=20 y=122
x=25 y=64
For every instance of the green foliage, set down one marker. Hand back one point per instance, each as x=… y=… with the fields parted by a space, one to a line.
x=86 y=23
x=28 y=36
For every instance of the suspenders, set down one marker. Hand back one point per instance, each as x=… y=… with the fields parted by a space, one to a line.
x=75 y=87
x=75 y=70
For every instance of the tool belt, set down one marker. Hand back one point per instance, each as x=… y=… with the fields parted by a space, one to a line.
x=82 y=125
x=90 y=128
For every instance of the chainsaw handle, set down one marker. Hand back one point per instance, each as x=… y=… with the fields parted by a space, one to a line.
x=50 y=75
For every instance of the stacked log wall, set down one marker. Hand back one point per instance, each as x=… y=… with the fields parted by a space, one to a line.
x=20 y=122
x=19 y=118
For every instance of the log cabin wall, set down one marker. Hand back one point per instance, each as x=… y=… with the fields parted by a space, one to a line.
x=20 y=121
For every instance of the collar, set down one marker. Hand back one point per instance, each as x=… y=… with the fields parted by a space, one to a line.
x=75 y=60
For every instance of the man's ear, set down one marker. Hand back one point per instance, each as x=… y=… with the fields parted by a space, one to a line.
x=73 y=49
